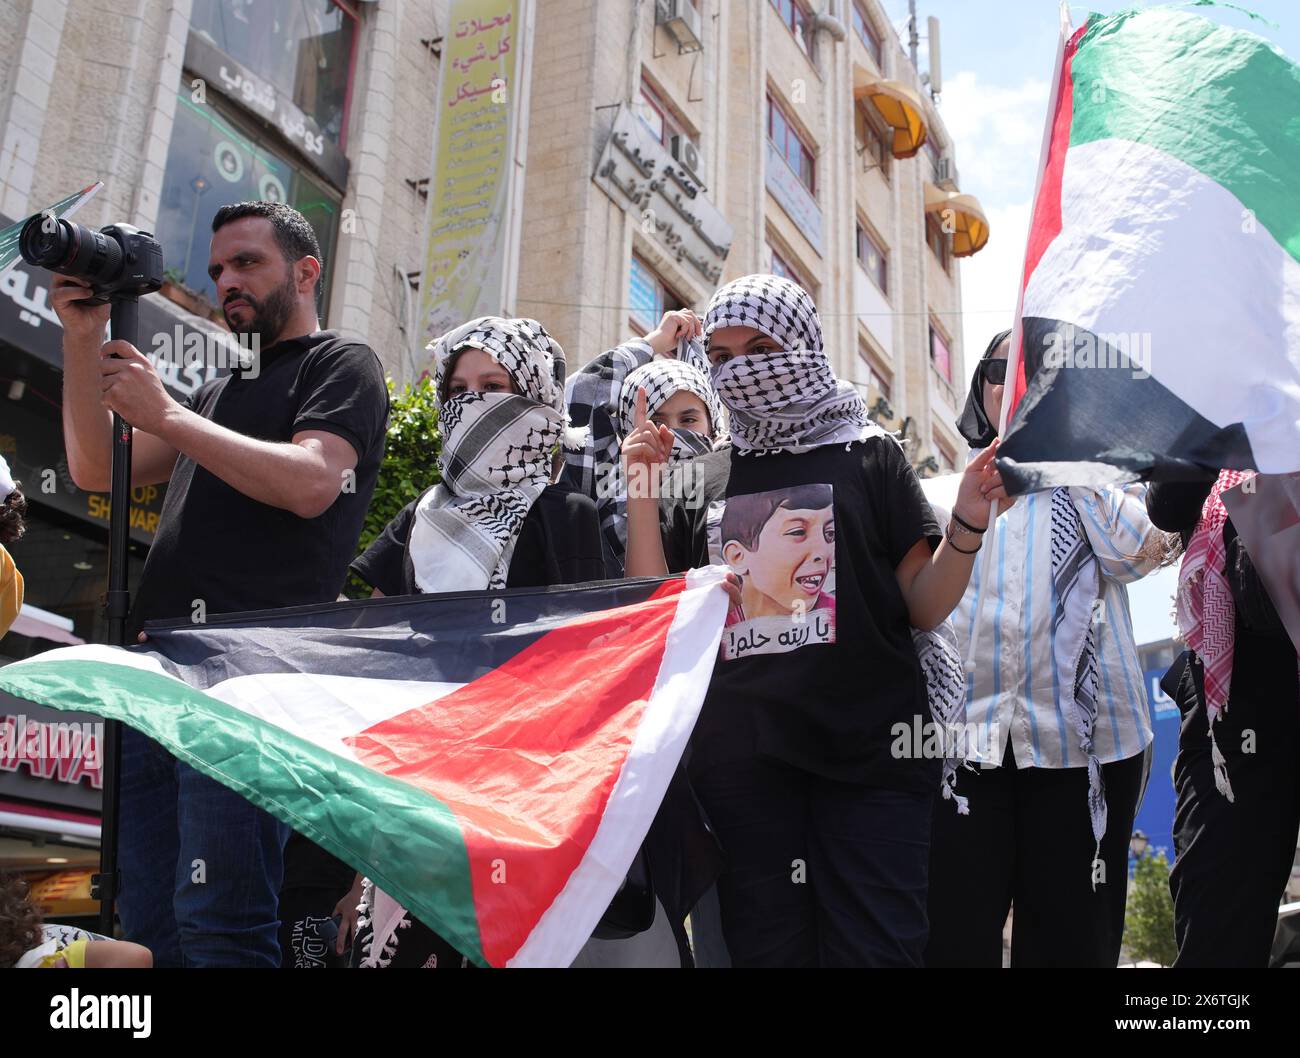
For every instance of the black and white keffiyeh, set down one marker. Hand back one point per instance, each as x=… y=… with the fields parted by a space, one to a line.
x=786 y=401
x=945 y=689
x=496 y=458
x=1075 y=587
x=661 y=380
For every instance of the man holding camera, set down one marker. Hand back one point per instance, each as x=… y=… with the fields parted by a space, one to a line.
x=270 y=471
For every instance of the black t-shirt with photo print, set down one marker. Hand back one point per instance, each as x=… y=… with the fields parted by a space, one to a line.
x=824 y=694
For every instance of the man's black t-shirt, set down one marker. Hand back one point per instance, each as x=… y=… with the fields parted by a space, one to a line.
x=818 y=665
x=559 y=543
x=234 y=553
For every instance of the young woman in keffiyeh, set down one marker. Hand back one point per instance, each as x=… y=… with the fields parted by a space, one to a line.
x=1058 y=715
x=825 y=830
x=496 y=520
x=669 y=363
x=1237 y=774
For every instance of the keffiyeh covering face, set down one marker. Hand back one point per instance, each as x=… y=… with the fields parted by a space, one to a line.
x=661 y=380
x=786 y=401
x=496 y=458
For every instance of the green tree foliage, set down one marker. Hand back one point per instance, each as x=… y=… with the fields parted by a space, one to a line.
x=1149 y=917
x=410 y=464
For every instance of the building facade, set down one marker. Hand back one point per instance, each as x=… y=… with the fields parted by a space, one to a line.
x=776 y=138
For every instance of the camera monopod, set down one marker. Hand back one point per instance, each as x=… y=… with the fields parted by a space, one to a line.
x=121 y=264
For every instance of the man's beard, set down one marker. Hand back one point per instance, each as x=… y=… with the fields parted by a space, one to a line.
x=269 y=315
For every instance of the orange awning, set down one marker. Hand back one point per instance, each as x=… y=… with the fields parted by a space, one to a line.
x=900 y=107
x=969 y=228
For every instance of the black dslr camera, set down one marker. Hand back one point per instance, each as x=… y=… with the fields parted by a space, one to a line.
x=119 y=261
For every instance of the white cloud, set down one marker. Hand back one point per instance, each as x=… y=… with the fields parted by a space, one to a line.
x=997 y=132
x=990 y=279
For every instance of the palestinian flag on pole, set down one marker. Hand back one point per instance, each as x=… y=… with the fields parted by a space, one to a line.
x=1160 y=302
x=493 y=760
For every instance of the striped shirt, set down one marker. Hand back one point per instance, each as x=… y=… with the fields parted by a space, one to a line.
x=592 y=398
x=1015 y=684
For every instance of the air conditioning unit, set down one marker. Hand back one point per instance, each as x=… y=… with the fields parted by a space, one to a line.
x=687 y=154
x=683 y=21
x=945 y=173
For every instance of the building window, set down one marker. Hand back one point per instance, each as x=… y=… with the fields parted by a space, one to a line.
x=940 y=356
x=651 y=112
x=782 y=267
x=944 y=453
x=658 y=118
x=306 y=50
x=649 y=297
x=872 y=257
x=797 y=20
x=872 y=141
x=792 y=147
x=867 y=34
x=214 y=161
x=933 y=152
x=938 y=240
x=878 y=379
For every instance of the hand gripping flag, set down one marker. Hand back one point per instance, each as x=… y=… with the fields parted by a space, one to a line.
x=492 y=760
x=1160 y=305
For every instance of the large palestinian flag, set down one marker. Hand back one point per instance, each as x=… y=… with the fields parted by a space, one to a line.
x=1161 y=297
x=491 y=760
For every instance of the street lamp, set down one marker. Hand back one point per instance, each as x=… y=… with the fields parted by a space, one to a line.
x=1137 y=844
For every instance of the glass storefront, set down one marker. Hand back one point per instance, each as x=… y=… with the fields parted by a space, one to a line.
x=214 y=161
x=303 y=48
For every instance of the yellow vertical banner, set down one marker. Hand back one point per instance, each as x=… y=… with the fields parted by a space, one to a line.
x=468 y=232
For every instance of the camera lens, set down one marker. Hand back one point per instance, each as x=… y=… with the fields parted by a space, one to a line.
x=45 y=241
x=70 y=249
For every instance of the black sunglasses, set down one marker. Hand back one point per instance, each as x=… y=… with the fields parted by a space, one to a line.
x=994 y=371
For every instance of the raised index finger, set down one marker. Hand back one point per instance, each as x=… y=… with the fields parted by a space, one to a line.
x=639 y=416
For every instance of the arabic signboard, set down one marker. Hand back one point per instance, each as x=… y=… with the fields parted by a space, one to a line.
x=208 y=62
x=639 y=174
x=786 y=187
x=49 y=756
x=470 y=233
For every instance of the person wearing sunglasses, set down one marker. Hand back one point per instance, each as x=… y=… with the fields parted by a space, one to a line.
x=1058 y=693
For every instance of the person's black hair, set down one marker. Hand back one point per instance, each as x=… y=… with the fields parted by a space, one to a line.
x=12 y=511
x=743 y=517
x=293 y=234
x=973 y=422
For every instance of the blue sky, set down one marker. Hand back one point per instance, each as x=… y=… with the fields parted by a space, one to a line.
x=996 y=58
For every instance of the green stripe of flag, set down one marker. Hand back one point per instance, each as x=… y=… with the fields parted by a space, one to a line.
x=1222 y=100
x=406 y=841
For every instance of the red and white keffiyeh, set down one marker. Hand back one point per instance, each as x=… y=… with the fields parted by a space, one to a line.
x=1206 y=611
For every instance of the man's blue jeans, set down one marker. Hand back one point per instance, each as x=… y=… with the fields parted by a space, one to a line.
x=201 y=866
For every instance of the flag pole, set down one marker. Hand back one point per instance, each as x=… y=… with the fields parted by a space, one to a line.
x=1017 y=333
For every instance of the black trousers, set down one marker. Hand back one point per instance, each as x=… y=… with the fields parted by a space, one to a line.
x=1028 y=842
x=817 y=873
x=1234 y=857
